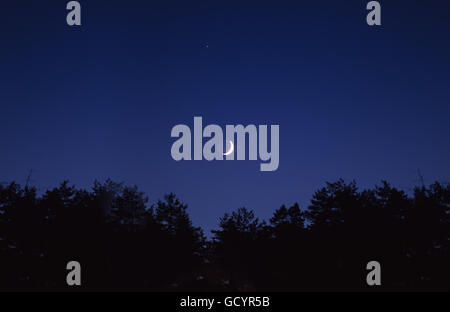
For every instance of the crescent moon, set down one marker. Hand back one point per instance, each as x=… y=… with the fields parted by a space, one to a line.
x=231 y=149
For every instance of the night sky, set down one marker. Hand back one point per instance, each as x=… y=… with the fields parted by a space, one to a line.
x=99 y=100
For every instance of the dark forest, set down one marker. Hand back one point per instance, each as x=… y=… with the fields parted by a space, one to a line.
x=123 y=243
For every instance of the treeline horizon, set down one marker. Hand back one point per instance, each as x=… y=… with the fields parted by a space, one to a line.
x=125 y=244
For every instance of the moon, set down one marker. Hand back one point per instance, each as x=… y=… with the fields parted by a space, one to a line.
x=231 y=149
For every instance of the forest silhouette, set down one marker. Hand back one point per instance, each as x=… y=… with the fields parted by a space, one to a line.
x=125 y=244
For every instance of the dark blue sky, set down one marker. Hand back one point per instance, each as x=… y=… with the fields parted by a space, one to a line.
x=98 y=101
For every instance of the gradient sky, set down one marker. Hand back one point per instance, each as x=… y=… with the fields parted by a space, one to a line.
x=98 y=101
